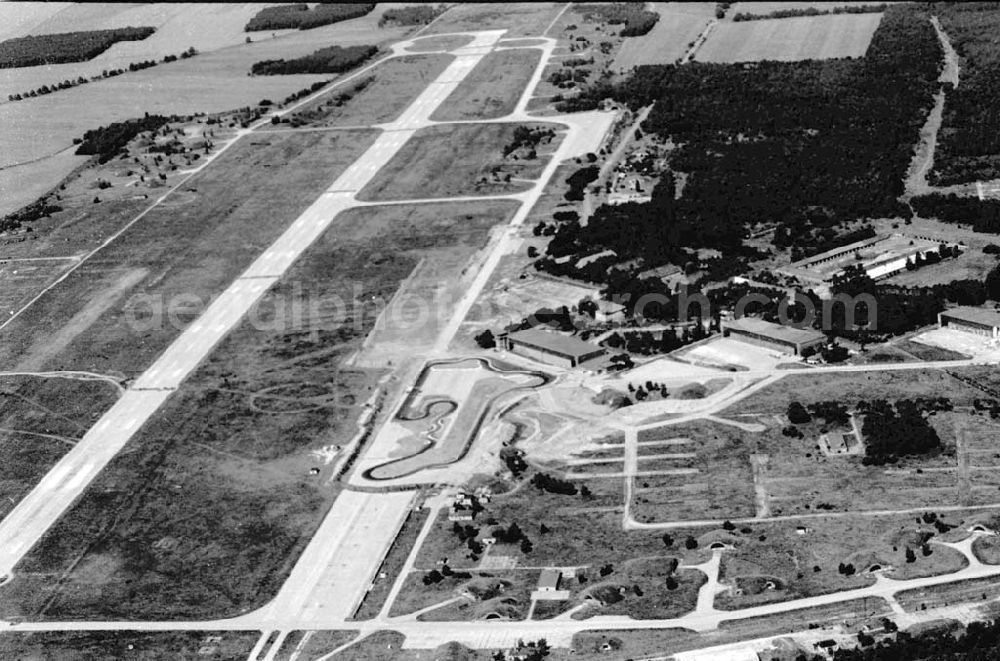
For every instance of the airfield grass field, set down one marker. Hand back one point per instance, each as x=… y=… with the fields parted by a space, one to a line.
x=716 y=483
x=139 y=645
x=183 y=246
x=679 y=25
x=377 y=97
x=314 y=643
x=40 y=420
x=790 y=39
x=849 y=389
x=457 y=160
x=492 y=88
x=236 y=444
x=392 y=566
x=522 y=19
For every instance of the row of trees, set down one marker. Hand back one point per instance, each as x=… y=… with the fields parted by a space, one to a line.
x=107 y=73
x=333 y=59
x=300 y=17
x=810 y=11
x=35 y=50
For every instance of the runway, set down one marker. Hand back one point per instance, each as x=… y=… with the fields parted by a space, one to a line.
x=25 y=525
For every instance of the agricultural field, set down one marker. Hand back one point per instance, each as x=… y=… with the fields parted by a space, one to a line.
x=790 y=39
x=375 y=98
x=679 y=25
x=460 y=160
x=493 y=88
x=210 y=82
x=521 y=19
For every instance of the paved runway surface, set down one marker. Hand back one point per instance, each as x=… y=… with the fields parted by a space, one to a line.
x=25 y=525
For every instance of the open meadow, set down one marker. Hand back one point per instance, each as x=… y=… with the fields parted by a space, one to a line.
x=460 y=160
x=492 y=88
x=375 y=98
x=185 y=247
x=790 y=39
x=256 y=434
x=680 y=23
x=40 y=420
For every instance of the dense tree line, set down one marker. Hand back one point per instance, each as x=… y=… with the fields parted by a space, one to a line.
x=107 y=73
x=301 y=17
x=416 y=15
x=983 y=215
x=40 y=208
x=40 y=49
x=578 y=181
x=808 y=145
x=981 y=640
x=105 y=142
x=968 y=146
x=896 y=431
x=810 y=11
x=333 y=59
x=633 y=15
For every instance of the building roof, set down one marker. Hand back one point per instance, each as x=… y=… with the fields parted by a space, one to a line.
x=549 y=579
x=777 y=332
x=557 y=343
x=985 y=316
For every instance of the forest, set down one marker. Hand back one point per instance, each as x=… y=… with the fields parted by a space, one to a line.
x=633 y=15
x=809 y=146
x=333 y=59
x=35 y=50
x=980 y=640
x=299 y=16
x=105 y=142
x=896 y=431
x=416 y=15
x=969 y=140
x=982 y=215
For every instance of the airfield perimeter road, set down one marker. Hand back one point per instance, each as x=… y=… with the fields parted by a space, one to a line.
x=25 y=525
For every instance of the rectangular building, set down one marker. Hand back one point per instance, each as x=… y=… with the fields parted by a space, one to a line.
x=552 y=347
x=773 y=336
x=980 y=321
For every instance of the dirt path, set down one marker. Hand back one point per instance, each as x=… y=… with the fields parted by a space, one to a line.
x=923 y=158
